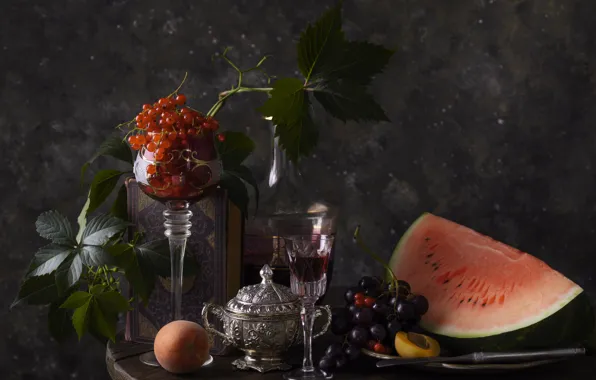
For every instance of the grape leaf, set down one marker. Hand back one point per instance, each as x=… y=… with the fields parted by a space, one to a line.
x=102 y=321
x=113 y=302
x=38 y=290
x=360 y=62
x=236 y=189
x=288 y=106
x=102 y=186
x=119 y=208
x=95 y=256
x=320 y=46
x=100 y=229
x=54 y=226
x=245 y=174
x=69 y=272
x=235 y=148
x=349 y=101
x=59 y=319
x=76 y=300
x=81 y=316
x=48 y=259
x=113 y=146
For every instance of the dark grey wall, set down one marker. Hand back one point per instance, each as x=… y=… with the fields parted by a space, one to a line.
x=491 y=102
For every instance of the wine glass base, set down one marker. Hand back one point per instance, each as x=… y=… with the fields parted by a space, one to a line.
x=300 y=374
x=148 y=358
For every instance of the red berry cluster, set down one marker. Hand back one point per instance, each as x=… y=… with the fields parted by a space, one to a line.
x=167 y=123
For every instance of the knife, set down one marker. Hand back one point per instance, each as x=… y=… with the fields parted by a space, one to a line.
x=490 y=357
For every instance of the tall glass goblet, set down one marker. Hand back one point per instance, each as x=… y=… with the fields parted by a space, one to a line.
x=178 y=175
x=308 y=259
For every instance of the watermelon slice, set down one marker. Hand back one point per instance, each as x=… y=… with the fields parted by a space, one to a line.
x=478 y=287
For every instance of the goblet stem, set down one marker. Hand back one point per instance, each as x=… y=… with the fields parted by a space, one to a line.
x=177 y=224
x=307 y=315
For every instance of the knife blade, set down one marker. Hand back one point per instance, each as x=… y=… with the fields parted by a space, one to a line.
x=490 y=357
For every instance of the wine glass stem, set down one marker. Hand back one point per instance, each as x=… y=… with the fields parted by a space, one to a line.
x=177 y=224
x=307 y=315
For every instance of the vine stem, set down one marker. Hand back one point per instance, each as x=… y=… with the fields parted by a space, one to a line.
x=365 y=248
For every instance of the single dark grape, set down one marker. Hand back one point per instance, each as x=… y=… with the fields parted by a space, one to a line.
x=334 y=350
x=353 y=309
x=341 y=361
x=403 y=289
x=327 y=364
x=405 y=311
x=381 y=308
x=358 y=336
x=349 y=295
x=364 y=317
x=352 y=351
x=368 y=282
x=373 y=292
x=420 y=304
x=341 y=322
x=405 y=285
x=378 y=332
x=392 y=302
x=394 y=327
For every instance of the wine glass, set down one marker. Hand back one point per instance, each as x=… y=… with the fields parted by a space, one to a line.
x=179 y=174
x=308 y=259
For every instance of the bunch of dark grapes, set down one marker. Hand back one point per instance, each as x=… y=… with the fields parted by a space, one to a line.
x=375 y=312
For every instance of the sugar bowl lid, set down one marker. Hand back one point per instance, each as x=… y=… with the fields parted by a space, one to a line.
x=264 y=299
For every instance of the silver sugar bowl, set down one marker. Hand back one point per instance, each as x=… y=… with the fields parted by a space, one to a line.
x=263 y=320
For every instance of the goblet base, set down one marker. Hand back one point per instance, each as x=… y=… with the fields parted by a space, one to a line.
x=301 y=374
x=148 y=358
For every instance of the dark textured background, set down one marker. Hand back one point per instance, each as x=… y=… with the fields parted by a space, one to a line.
x=491 y=102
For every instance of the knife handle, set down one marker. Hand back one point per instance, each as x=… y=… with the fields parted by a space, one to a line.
x=510 y=357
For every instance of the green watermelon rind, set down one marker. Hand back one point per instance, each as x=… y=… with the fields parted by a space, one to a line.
x=574 y=309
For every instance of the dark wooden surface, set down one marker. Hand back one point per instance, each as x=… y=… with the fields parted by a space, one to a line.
x=123 y=364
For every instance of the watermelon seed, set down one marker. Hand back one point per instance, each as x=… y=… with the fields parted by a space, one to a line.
x=470 y=299
x=484 y=304
x=430 y=255
x=446 y=281
x=461 y=301
x=436 y=268
x=459 y=286
x=475 y=302
x=426 y=262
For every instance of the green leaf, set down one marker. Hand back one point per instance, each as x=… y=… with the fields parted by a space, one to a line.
x=138 y=272
x=59 y=319
x=102 y=186
x=289 y=106
x=120 y=206
x=113 y=302
x=54 y=226
x=48 y=259
x=96 y=256
x=349 y=101
x=96 y=289
x=38 y=290
x=76 y=300
x=82 y=219
x=321 y=45
x=103 y=323
x=100 y=229
x=113 y=146
x=245 y=174
x=157 y=254
x=234 y=149
x=360 y=62
x=81 y=316
x=69 y=272
x=236 y=189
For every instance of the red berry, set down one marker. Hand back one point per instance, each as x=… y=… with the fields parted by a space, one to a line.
x=169 y=120
x=188 y=118
x=369 y=301
x=131 y=140
x=221 y=137
x=165 y=144
x=139 y=118
x=147 y=107
x=379 y=348
x=141 y=139
x=153 y=112
x=159 y=156
x=162 y=102
x=191 y=132
x=185 y=110
x=157 y=137
x=182 y=134
x=151 y=169
x=180 y=100
x=172 y=136
x=136 y=147
x=359 y=296
x=151 y=147
x=371 y=344
x=359 y=302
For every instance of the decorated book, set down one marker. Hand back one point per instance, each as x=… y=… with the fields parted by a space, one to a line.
x=216 y=245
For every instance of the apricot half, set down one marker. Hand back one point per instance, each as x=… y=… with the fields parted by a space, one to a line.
x=181 y=347
x=413 y=345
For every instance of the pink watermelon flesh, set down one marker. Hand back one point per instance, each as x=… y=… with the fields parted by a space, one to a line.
x=476 y=286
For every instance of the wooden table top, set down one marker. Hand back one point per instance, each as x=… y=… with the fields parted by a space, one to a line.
x=123 y=363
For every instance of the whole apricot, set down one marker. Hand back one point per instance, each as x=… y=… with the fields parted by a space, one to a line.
x=181 y=347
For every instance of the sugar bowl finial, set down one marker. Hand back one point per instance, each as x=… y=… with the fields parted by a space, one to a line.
x=266 y=274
